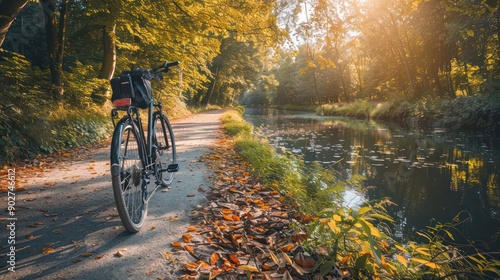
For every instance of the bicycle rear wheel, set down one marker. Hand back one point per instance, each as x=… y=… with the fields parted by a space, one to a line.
x=166 y=155
x=127 y=171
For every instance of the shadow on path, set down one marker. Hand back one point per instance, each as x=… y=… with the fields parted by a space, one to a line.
x=67 y=225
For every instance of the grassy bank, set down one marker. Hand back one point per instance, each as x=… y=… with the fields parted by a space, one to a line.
x=475 y=112
x=355 y=242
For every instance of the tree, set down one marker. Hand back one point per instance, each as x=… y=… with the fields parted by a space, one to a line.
x=55 y=30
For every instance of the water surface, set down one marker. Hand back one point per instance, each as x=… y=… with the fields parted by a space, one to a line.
x=432 y=176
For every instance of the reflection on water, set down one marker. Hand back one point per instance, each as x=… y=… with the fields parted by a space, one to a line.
x=431 y=176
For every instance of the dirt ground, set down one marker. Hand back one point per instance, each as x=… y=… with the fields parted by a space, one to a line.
x=67 y=225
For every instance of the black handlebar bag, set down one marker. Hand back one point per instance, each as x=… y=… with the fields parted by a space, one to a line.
x=136 y=85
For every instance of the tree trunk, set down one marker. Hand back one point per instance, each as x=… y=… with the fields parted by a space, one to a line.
x=55 y=37
x=8 y=12
x=109 y=55
x=206 y=100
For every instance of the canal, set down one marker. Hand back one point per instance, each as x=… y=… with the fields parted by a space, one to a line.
x=431 y=175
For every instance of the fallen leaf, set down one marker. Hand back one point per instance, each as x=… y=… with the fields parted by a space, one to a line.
x=186 y=237
x=234 y=259
x=227 y=218
x=250 y=268
x=287 y=248
x=214 y=258
x=189 y=249
x=176 y=244
x=191 y=228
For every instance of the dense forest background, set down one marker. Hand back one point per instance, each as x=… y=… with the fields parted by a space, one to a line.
x=58 y=56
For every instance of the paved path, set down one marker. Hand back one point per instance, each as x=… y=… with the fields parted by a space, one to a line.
x=68 y=227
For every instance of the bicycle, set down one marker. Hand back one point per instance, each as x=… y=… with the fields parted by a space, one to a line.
x=138 y=154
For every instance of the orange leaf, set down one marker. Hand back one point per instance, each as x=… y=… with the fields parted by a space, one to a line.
x=186 y=237
x=227 y=211
x=214 y=258
x=235 y=218
x=287 y=248
x=227 y=218
x=306 y=218
x=346 y=258
x=308 y=263
x=234 y=259
x=191 y=228
x=189 y=249
x=176 y=244
x=47 y=250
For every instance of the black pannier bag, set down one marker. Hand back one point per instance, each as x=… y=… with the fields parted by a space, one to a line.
x=136 y=85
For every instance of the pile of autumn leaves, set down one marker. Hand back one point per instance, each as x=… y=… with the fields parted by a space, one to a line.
x=246 y=231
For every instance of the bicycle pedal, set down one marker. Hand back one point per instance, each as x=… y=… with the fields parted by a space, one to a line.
x=171 y=168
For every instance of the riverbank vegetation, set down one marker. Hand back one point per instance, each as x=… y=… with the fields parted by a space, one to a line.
x=352 y=243
x=435 y=63
x=465 y=113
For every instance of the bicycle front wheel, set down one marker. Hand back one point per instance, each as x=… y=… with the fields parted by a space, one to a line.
x=127 y=171
x=165 y=149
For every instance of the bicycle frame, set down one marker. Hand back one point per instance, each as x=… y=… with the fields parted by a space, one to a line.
x=147 y=139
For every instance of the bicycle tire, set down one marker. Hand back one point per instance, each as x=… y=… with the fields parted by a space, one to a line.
x=166 y=153
x=127 y=171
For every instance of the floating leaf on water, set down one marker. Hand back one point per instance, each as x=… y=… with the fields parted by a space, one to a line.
x=47 y=251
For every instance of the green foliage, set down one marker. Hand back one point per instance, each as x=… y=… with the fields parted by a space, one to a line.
x=21 y=96
x=65 y=128
x=83 y=88
x=29 y=124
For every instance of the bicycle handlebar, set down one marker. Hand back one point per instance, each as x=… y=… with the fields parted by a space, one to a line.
x=164 y=67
